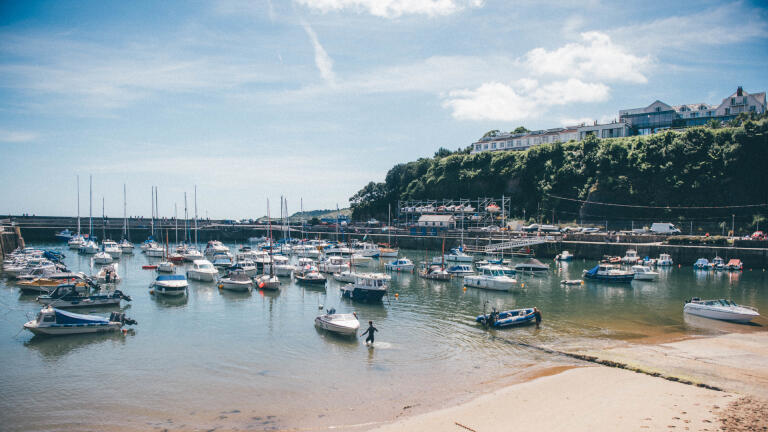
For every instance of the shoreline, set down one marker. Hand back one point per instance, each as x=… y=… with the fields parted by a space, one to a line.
x=601 y=398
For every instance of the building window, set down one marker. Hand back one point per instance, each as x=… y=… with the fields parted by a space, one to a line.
x=727 y=111
x=658 y=109
x=752 y=108
x=493 y=146
x=745 y=100
x=733 y=101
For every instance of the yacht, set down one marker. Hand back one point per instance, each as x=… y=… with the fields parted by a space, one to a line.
x=102 y=258
x=248 y=266
x=76 y=241
x=435 y=272
x=346 y=276
x=532 y=266
x=359 y=260
x=494 y=277
x=191 y=254
x=165 y=267
x=154 y=250
x=171 y=285
x=202 y=270
x=458 y=255
x=400 y=265
x=108 y=274
x=281 y=264
x=64 y=235
x=268 y=282
x=367 y=249
x=701 y=264
x=89 y=247
x=644 y=273
x=309 y=275
x=69 y=296
x=717 y=263
x=306 y=251
x=221 y=259
x=721 y=309
x=368 y=287
x=388 y=252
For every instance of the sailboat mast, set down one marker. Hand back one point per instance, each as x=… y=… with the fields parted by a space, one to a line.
x=103 y=222
x=125 y=215
x=78 y=205
x=195 y=215
x=90 y=208
x=269 y=225
x=176 y=221
x=302 y=218
x=157 y=214
x=389 y=225
x=186 y=216
x=338 y=222
x=152 y=217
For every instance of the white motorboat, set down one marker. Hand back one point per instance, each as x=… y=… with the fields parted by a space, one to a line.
x=644 y=273
x=126 y=247
x=367 y=249
x=214 y=247
x=102 y=258
x=368 y=287
x=664 y=260
x=387 y=252
x=76 y=241
x=494 y=277
x=89 y=247
x=400 y=265
x=460 y=270
x=701 y=264
x=154 y=250
x=532 y=266
x=222 y=259
x=112 y=248
x=333 y=264
x=304 y=262
x=360 y=260
x=564 y=256
x=202 y=270
x=435 y=272
x=236 y=280
x=630 y=257
x=165 y=267
x=191 y=254
x=722 y=309
x=268 y=282
x=346 y=276
x=108 y=274
x=458 y=255
x=248 y=266
x=54 y=322
x=342 y=324
x=306 y=251
x=309 y=275
x=170 y=285
x=281 y=264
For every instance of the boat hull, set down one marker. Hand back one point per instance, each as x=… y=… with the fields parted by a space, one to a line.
x=70 y=329
x=236 y=286
x=483 y=283
x=335 y=328
x=732 y=316
x=363 y=295
x=201 y=276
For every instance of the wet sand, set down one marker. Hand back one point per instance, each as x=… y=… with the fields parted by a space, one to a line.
x=600 y=398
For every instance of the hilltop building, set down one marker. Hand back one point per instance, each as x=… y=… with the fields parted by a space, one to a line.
x=636 y=121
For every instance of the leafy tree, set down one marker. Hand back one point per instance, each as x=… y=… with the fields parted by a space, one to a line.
x=520 y=129
x=442 y=152
x=491 y=133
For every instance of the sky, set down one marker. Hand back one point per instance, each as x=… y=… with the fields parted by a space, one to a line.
x=312 y=99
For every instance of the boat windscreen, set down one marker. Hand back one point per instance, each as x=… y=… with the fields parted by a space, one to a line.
x=171 y=277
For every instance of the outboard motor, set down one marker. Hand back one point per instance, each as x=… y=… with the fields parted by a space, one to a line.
x=123 y=296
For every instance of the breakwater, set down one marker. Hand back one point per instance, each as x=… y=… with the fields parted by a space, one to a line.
x=10 y=239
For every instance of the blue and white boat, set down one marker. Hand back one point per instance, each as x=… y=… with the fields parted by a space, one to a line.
x=400 y=264
x=701 y=264
x=55 y=322
x=458 y=255
x=368 y=287
x=170 y=285
x=510 y=318
x=64 y=235
x=460 y=270
x=609 y=273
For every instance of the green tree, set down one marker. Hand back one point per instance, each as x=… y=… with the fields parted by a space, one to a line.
x=520 y=129
x=491 y=133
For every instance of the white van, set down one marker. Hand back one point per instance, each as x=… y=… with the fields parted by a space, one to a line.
x=664 y=228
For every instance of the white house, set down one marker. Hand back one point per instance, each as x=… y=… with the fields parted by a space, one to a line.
x=437 y=221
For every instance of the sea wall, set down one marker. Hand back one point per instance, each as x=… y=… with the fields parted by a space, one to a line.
x=10 y=239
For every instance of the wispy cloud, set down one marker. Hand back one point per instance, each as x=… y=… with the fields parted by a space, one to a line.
x=323 y=61
x=9 y=136
x=393 y=8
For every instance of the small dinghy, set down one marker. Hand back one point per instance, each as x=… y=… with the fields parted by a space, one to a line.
x=510 y=318
x=68 y=296
x=55 y=322
x=342 y=324
x=721 y=309
x=236 y=280
x=571 y=282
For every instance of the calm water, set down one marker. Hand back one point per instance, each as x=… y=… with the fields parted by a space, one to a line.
x=255 y=361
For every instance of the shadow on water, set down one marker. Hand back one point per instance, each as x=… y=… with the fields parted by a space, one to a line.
x=56 y=347
x=170 y=301
x=348 y=343
x=235 y=296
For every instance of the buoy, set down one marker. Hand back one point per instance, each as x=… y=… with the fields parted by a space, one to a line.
x=522 y=285
x=151 y=291
x=465 y=288
x=397 y=295
x=125 y=331
x=221 y=286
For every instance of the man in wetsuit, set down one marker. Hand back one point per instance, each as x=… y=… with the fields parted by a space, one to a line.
x=537 y=315
x=371 y=329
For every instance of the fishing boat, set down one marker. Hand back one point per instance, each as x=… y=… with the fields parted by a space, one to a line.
x=721 y=309
x=202 y=270
x=734 y=265
x=342 y=324
x=532 y=266
x=630 y=257
x=458 y=255
x=368 y=287
x=170 y=285
x=564 y=256
x=608 y=273
x=368 y=249
x=268 y=282
x=55 y=322
x=400 y=265
x=236 y=280
x=102 y=258
x=493 y=277
x=664 y=260
x=69 y=296
x=510 y=318
x=435 y=272
x=460 y=270
x=309 y=275
x=333 y=264
x=108 y=274
x=701 y=264
x=644 y=273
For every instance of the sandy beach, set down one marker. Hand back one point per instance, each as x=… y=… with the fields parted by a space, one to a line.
x=602 y=398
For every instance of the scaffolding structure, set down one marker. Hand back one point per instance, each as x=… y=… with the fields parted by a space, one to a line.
x=468 y=213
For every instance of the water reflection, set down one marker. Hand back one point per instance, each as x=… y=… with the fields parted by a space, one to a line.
x=52 y=348
x=170 y=301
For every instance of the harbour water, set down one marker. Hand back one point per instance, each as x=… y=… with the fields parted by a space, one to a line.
x=255 y=361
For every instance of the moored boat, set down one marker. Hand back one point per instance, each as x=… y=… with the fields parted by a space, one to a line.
x=721 y=309
x=664 y=260
x=608 y=273
x=564 y=256
x=342 y=324
x=435 y=272
x=493 y=277
x=510 y=318
x=202 y=270
x=701 y=264
x=54 y=322
x=368 y=287
x=532 y=266
x=69 y=296
x=170 y=285
x=236 y=280
x=734 y=265
x=460 y=270
x=400 y=265
x=644 y=273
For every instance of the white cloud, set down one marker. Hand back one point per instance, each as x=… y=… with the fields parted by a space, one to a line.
x=323 y=61
x=596 y=58
x=8 y=136
x=393 y=8
x=520 y=100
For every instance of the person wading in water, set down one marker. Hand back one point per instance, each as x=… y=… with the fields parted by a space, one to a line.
x=537 y=315
x=370 y=331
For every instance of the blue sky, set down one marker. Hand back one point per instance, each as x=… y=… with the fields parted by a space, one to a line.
x=314 y=98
